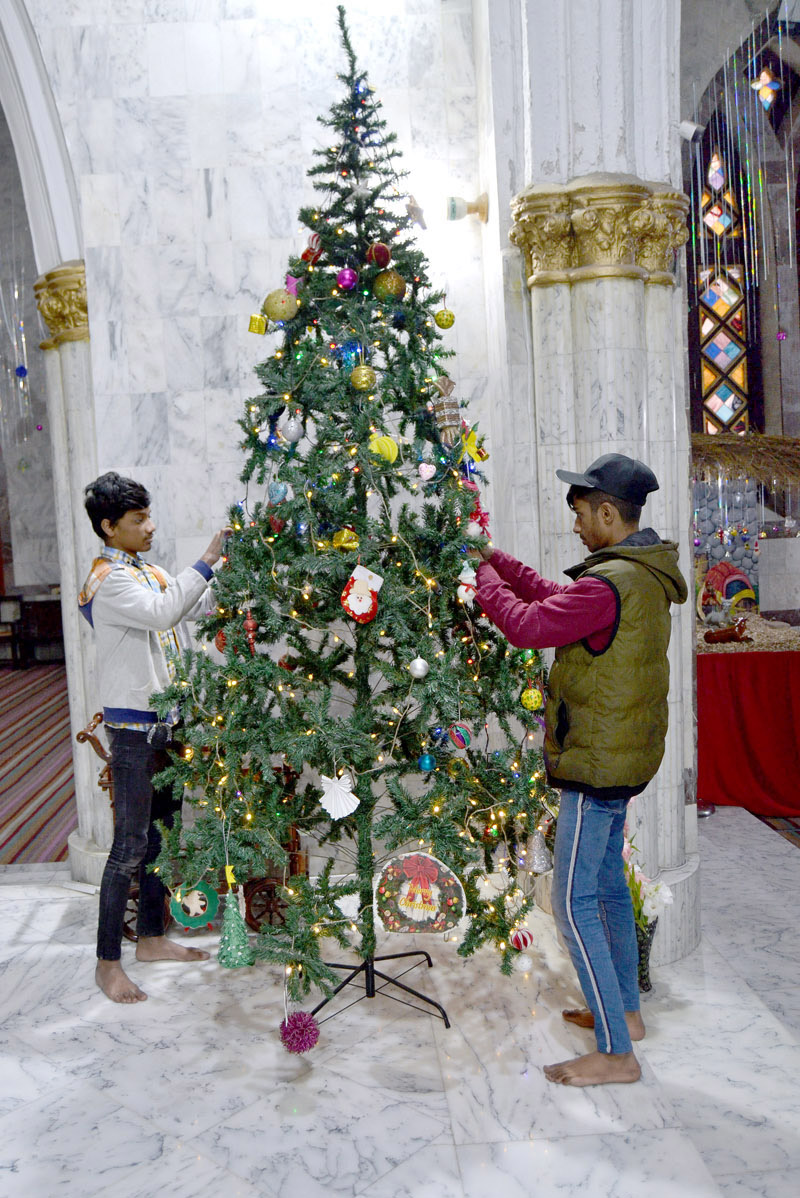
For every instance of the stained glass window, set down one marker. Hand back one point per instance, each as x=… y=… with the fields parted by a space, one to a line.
x=723 y=325
x=723 y=349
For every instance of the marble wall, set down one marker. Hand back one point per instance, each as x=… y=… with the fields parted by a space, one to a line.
x=27 y=525
x=190 y=125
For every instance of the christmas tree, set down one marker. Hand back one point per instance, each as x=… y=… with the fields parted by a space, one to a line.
x=360 y=700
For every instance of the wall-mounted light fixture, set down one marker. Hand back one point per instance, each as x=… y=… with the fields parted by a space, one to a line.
x=457 y=208
x=689 y=131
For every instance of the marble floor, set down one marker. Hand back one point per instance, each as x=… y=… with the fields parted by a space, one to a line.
x=191 y=1095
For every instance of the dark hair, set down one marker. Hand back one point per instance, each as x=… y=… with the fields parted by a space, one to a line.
x=629 y=513
x=110 y=496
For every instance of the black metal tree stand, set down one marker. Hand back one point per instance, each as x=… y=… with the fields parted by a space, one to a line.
x=367 y=967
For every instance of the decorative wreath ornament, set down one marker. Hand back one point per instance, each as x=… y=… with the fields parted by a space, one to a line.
x=196 y=908
x=418 y=893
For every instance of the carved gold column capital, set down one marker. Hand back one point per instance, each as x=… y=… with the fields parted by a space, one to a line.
x=543 y=231
x=602 y=207
x=599 y=226
x=660 y=230
x=61 y=299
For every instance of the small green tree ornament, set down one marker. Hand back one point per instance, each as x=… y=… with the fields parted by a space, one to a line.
x=234 y=946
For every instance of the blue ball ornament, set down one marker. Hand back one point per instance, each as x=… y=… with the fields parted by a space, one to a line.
x=426 y=762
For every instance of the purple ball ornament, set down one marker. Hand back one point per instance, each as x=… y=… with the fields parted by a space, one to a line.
x=347 y=278
x=460 y=735
x=299 y=1032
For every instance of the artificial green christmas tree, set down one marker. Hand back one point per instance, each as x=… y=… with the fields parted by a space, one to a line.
x=354 y=653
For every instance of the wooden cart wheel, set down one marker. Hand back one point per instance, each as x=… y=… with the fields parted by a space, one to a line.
x=132 y=912
x=263 y=902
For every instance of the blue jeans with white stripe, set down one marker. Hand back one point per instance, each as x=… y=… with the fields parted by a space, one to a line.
x=593 y=911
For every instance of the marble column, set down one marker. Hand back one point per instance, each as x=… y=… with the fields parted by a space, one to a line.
x=578 y=108
x=61 y=297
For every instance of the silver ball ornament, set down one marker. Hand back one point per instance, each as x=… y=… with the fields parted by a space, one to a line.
x=293 y=429
x=419 y=667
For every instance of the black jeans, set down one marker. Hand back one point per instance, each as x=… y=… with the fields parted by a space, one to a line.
x=137 y=842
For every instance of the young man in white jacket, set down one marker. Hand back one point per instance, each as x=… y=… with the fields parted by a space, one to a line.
x=137 y=612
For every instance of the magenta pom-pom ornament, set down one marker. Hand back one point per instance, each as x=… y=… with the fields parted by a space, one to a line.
x=299 y=1032
x=347 y=278
x=521 y=938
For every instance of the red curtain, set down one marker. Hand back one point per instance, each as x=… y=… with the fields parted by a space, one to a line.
x=748 y=731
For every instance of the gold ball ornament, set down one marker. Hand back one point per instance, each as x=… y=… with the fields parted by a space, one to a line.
x=531 y=698
x=389 y=285
x=445 y=318
x=383 y=446
x=280 y=305
x=363 y=378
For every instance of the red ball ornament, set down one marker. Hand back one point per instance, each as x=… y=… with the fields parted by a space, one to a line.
x=347 y=278
x=521 y=938
x=220 y=640
x=379 y=254
x=312 y=256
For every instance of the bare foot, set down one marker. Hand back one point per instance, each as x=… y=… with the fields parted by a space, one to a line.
x=595 y=1069
x=115 y=983
x=583 y=1018
x=161 y=948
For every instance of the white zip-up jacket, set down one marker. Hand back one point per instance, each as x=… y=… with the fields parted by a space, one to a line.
x=127 y=618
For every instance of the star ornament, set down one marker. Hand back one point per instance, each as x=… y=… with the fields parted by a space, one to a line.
x=415 y=212
x=337 y=796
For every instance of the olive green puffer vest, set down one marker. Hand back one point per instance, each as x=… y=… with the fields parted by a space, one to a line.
x=606 y=715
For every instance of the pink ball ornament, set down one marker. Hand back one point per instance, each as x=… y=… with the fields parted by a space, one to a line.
x=521 y=938
x=347 y=278
x=299 y=1032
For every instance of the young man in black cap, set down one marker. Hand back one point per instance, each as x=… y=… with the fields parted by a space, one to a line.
x=137 y=612
x=605 y=727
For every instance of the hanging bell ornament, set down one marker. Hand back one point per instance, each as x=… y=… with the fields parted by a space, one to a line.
x=444 y=318
x=418 y=667
x=250 y=630
x=363 y=378
x=541 y=859
x=531 y=698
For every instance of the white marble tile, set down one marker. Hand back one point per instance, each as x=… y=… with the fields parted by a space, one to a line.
x=775 y=1183
x=660 y=1164
x=77 y=1122
x=432 y=1172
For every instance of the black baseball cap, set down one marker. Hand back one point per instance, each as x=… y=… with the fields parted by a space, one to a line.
x=617 y=475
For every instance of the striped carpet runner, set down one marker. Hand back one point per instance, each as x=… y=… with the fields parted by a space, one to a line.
x=37 y=791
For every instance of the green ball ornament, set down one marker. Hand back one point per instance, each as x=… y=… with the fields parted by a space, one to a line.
x=389 y=285
x=445 y=318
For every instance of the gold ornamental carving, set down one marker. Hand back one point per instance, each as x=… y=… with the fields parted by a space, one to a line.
x=543 y=231
x=600 y=226
x=660 y=229
x=61 y=299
